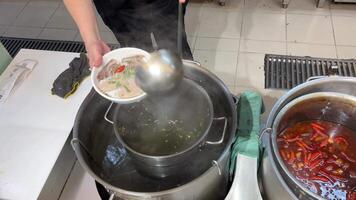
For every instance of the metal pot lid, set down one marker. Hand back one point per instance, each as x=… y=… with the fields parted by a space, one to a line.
x=104 y=157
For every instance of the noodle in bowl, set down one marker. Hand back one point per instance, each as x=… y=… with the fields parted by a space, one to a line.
x=115 y=78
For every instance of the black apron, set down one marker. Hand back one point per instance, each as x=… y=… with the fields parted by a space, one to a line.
x=132 y=21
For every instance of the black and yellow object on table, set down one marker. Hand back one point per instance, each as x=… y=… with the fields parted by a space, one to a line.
x=69 y=80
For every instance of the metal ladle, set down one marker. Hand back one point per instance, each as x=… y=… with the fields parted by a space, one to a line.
x=163 y=71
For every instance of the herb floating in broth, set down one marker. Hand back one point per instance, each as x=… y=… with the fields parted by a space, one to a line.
x=117 y=79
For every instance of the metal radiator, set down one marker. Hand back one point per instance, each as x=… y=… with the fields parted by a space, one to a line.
x=286 y=72
x=13 y=45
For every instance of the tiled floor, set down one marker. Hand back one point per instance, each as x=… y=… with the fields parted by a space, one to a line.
x=231 y=41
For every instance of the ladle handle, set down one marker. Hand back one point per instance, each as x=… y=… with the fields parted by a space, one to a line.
x=154 y=42
x=221 y=140
x=180 y=28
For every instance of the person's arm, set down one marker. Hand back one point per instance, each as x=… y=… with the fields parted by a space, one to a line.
x=83 y=14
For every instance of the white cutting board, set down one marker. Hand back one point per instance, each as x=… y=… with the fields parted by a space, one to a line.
x=34 y=125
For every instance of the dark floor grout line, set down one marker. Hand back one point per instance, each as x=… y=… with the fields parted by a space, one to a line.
x=70 y=173
x=240 y=39
x=54 y=12
x=334 y=36
x=17 y=16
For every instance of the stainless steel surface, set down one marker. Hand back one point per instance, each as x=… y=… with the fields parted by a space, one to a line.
x=326 y=106
x=146 y=119
x=180 y=28
x=203 y=180
x=223 y=132
x=161 y=73
x=270 y=170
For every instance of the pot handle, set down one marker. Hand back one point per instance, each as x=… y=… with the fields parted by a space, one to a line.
x=264 y=135
x=223 y=133
x=107 y=112
x=332 y=71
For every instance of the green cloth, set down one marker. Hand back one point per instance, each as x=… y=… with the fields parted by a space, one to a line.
x=249 y=110
x=5 y=58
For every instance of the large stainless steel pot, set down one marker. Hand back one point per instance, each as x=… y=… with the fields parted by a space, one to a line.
x=102 y=156
x=276 y=182
x=138 y=127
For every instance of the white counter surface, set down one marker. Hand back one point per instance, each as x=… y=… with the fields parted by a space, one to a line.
x=34 y=125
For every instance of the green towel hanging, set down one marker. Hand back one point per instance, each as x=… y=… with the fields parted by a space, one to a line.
x=5 y=58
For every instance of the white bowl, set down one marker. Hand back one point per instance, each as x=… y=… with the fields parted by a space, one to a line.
x=117 y=54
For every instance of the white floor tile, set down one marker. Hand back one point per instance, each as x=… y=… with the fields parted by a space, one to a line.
x=324 y=51
x=23 y=32
x=3 y=29
x=346 y=52
x=250 y=71
x=264 y=26
x=307 y=7
x=44 y=3
x=80 y=185
x=108 y=37
x=58 y=34
x=217 y=44
x=345 y=30
x=61 y=19
x=35 y=16
x=78 y=37
x=223 y=64
x=217 y=22
x=310 y=29
x=193 y=18
x=256 y=46
x=232 y=89
x=9 y=11
x=191 y=41
x=271 y=6
x=340 y=9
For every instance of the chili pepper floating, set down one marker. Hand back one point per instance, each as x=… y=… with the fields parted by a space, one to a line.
x=301 y=146
x=324 y=143
x=319 y=178
x=292 y=157
x=316 y=163
x=348 y=157
x=315 y=155
x=305 y=145
x=338 y=178
x=321 y=133
x=296 y=138
x=120 y=69
x=284 y=156
x=339 y=139
x=317 y=126
x=326 y=175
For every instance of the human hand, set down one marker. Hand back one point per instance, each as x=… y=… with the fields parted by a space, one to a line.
x=96 y=50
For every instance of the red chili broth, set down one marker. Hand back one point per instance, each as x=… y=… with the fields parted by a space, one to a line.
x=322 y=156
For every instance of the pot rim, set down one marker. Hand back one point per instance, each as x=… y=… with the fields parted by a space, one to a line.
x=191 y=183
x=274 y=147
x=191 y=147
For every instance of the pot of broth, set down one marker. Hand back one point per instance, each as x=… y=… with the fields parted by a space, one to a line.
x=310 y=143
x=162 y=133
x=205 y=176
